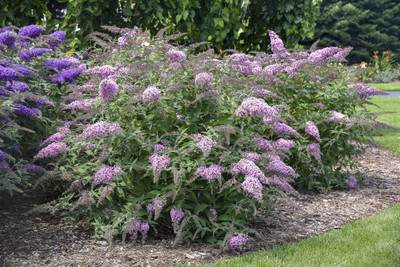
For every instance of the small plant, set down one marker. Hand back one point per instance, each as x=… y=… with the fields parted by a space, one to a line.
x=383 y=62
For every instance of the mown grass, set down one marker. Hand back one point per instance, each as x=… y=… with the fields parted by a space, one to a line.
x=386 y=86
x=390 y=137
x=372 y=242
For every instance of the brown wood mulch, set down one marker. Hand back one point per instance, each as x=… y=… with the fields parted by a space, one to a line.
x=43 y=240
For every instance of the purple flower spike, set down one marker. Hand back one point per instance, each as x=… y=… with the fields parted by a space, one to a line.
x=337 y=117
x=277 y=45
x=212 y=173
x=51 y=150
x=176 y=215
x=214 y=218
x=203 y=79
x=312 y=130
x=67 y=76
x=174 y=55
x=7 y=38
x=278 y=166
x=351 y=181
x=205 y=143
x=239 y=241
x=106 y=174
x=31 y=31
x=108 y=89
x=159 y=162
x=101 y=129
x=283 y=129
x=314 y=150
x=151 y=94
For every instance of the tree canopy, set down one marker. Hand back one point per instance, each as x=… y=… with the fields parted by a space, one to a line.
x=366 y=25
x=225 y=23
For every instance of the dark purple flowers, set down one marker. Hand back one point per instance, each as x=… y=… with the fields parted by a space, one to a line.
x=67 y=76
x=31 y=31
x=58 y=64
x=7 y=38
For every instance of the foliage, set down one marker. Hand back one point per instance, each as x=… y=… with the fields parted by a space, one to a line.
x=386 y=76
x=159 y=137
x=367 y=26
x=29 y=108
x=224 y=23
x=22 y=12
x=383 y=62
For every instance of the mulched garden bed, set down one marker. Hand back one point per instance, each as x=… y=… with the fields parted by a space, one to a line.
x=39 y=239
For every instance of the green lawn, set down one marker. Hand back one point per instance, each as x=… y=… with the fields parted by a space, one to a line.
x=386 y=86
x=371 y=242
x=391 y=137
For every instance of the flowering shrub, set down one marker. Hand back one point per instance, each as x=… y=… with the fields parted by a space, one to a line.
x=162 y=137
x=29 y=101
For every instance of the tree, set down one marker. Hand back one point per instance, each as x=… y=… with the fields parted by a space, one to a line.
x=241 y=24
x=367 y=26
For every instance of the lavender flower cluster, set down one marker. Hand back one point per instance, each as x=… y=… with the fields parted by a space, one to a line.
x=284 y=129
x=312 y=130
x=83 y=105
x=351 y=181
x=67 y=76
x=214 y=217
x=204 y=79
x=175 y=56
x=314 y=150
x=52 y=150
x=159 y=162
x=238 y=242
x=134 y=226
x=151 y=94
x=33 y=168
x=212 y=173
x=278 y=166
x=205 y=144
x=256 y=107
x=365 y=91
x=337 y=117
x=101 y=129
x=101 y=71
x=248 y=168
x=108 y=88
x=106 y=174
x=176 y=215
x=54 y=138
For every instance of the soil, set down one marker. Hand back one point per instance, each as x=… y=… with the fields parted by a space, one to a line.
x=40 y=239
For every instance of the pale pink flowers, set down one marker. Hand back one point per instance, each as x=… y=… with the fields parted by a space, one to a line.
x=151 y=94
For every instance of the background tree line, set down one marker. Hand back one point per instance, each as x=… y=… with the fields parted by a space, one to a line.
x=240 y=24
x=365 y=25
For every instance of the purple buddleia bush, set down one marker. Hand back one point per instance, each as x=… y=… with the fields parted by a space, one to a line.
x=202 y=142
x=30 y=103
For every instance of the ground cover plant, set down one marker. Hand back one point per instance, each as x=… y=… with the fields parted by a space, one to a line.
x=30 y=96
x=159 y=138
x=371 y=242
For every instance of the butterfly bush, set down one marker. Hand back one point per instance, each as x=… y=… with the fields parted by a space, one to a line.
x=30 y=60
x=228 y=137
